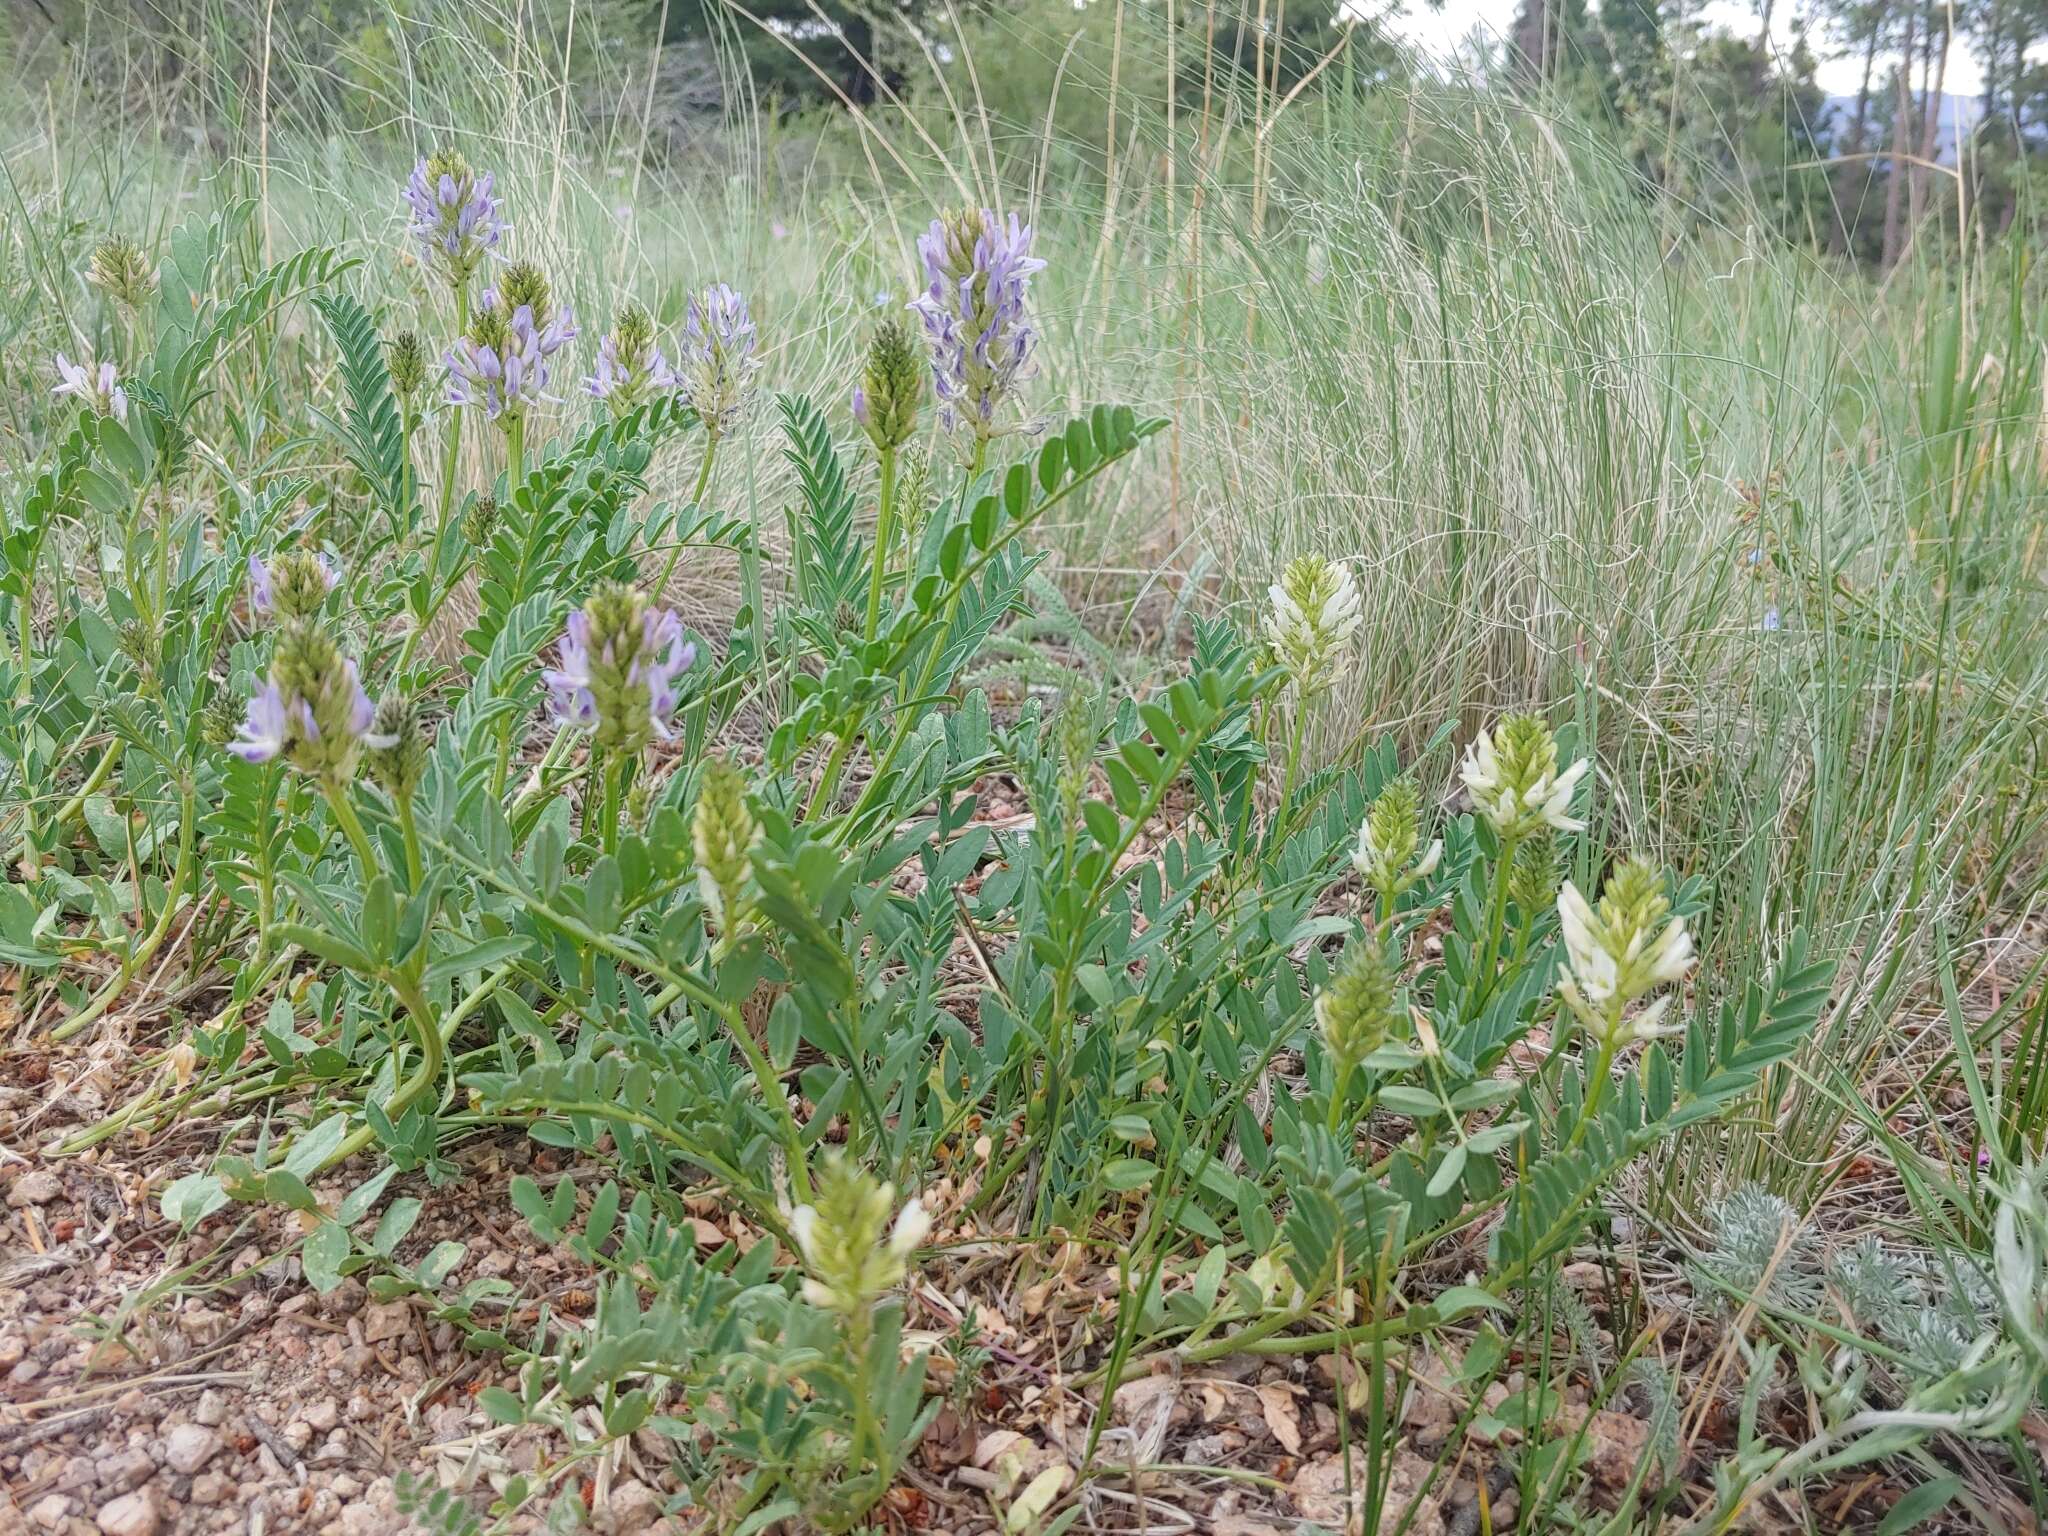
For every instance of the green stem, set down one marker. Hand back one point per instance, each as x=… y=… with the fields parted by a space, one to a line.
x=828 y=780
x=696 y=500
x=1294 y=746
x=453 y=451
x=1496 y=917
x=431 y=1055
x=515 y=452
x=414 y=871
x=885 y=528
x=351 y=824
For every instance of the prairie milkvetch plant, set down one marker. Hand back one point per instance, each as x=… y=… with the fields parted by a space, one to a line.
x=1312 y=613
x=631 y=369
x=977 y=271
x=291 y=585
x=617 y=679
x=1390 y=857
x=311 y=710
x=96 y=385
x=855 y=1242
x=887 y=401
x=1311 y=616
x=1513 y=777
x=1621 y=952
x=454 y=217
x=504 y=362
x=718 y=363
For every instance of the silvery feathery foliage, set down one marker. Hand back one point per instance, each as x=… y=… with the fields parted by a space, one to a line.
x=978 y=270
x=454 y=218
x=718 y=363
x=1757 y=1245
x=96 y=384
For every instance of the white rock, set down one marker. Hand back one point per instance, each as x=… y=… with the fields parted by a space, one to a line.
x=190 y=1447
x=50 y=1511
x=212 y=1410
x=132 y=1514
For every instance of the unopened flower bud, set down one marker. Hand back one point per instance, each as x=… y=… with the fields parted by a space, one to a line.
x=121 y=270
x=480 y=520
x=184 y=1060
x=406 y=359
x=397 y=755
x=891 y=388
x=1532 y=882
x=1358 y=1010
x=723 y=833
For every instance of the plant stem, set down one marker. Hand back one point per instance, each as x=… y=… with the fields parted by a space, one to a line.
x=453 y=451
x=885 y=528
x=515 y=452
x=414 y=873
x=345 y=814
x=696 y=499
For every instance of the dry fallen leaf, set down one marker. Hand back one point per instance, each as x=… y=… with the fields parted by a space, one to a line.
x=1282 y=1415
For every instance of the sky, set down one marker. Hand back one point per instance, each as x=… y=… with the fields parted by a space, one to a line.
x=1443 y=30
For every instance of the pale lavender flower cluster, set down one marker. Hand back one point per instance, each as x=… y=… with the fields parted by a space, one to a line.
x=98 y=386
x=978 y=274
x=630 y=364
x=455 y=218
x=502 y=364
x=296 y=576
x=274 y=720
x=718 y=363
x=618 y=663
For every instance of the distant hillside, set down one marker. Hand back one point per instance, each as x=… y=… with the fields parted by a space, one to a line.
x=1958 y=117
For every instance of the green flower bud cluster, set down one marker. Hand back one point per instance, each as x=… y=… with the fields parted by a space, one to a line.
x=397 y=755
x=406 y=359
x=852 y=1253
x=1390 y=856
x=121 y=271
x=890 y=393
x=1360 y=1008
x=723 y=833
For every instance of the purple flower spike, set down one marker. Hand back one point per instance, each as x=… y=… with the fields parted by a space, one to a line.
x=261 y=598
x=455 y=219
x=617 y=670
x=718 y=363
x=502 y=364
x=978 y=272
x=630 y=364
